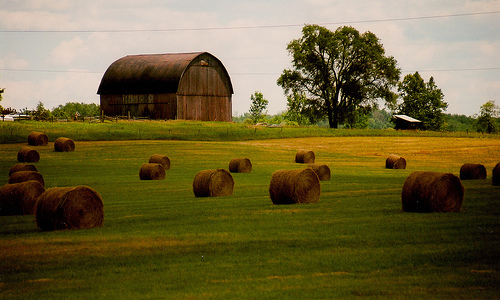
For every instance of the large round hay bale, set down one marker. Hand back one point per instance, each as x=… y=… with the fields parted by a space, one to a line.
x=323 y=171
x=432 y=192
x=395 y=162
x=38 y=139
x=294 y=186
x=240 y=165
x=22 y=167
x=63 y=144
x=472 y=171
x=27 y=154
x=305 y=157
x=495 y=179
x=69 y=208
x=213 y=183
x=22 y=176
x=160 y=159
x=152 y=172
x=19 y=198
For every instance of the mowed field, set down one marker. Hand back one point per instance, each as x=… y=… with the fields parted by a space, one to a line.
x=160 y=241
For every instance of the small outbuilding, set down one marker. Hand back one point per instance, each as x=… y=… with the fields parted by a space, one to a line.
x=189 y=86
x=405 y=122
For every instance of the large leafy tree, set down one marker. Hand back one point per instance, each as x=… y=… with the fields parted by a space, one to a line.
x=486 y=121
x=339 y=72
x=423 y=101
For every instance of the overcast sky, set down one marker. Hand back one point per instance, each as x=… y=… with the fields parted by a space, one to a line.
x=56 y=51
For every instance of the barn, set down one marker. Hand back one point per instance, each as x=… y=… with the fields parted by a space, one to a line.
x=405 y=122
x=189 y=86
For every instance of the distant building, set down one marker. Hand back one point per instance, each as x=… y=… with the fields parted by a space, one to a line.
x=189 y=86
x=404 y=122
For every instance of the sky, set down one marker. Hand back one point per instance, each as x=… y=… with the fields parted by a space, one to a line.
x=56 y=51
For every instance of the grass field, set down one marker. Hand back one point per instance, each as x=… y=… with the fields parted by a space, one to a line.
x=159 y=241
x=16 y=132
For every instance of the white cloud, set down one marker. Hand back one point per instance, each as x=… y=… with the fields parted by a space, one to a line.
x=66 y=51
x=12 y=61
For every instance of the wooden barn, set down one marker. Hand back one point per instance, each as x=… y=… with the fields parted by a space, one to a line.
x=189 y=86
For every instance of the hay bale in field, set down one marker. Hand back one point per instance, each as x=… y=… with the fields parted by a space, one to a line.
x=472 y=171
x=63 y=144
x=38 y=139
x=27 y=154
x=160 y=159
x=22 y=167
x=19 y=198
x=495 y=179
x=304 y=157
x=213 y=183
x=432 y=192
x=294 y=186
x=152 y=172
x=69 y=208
x=240 y=165
x=323 y=171
x=395 y=162
x=22 y=176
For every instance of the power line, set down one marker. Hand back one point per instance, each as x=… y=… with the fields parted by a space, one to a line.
x=50 y=71
x=247 y=73
x=251 y=27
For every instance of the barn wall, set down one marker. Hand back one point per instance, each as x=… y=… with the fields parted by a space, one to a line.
x=155 y=106
x=204 y=108
x=205 y=91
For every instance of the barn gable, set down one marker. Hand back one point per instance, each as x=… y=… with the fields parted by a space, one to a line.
x=194 y=86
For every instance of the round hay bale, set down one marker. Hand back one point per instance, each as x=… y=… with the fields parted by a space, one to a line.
x=305 y=157
x=19 y=198
x=432 y=192
x=22 y=167
x=294 y=186
x=27 y=154
x=22 y=176
x=152 y=172
x=395 y=162
x=323 y=171
x=495 y=179
x=472 y=171
x=213 y=183
x=69 y=208
x=160 y=159
x=38 y=139
x=240 y=165
x=63 y=144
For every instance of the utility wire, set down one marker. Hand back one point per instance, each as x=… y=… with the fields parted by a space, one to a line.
x=250 y=27
x=249 y=73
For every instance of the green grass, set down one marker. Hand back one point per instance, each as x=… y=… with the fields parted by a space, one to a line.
x=159 y=241
x=17 y=132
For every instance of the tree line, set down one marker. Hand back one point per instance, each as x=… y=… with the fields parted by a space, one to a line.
x=69 y=111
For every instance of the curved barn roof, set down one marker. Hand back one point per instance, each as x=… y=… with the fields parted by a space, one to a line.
x=147 y=73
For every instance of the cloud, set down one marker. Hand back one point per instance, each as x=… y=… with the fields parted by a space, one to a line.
x=12 y=61
x=67 y=51
x=63 y=88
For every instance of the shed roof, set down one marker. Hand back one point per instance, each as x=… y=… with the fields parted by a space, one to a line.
x=407 y=118
x=147 y=73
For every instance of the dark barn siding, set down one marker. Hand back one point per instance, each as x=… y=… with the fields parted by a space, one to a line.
x=192 y=86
